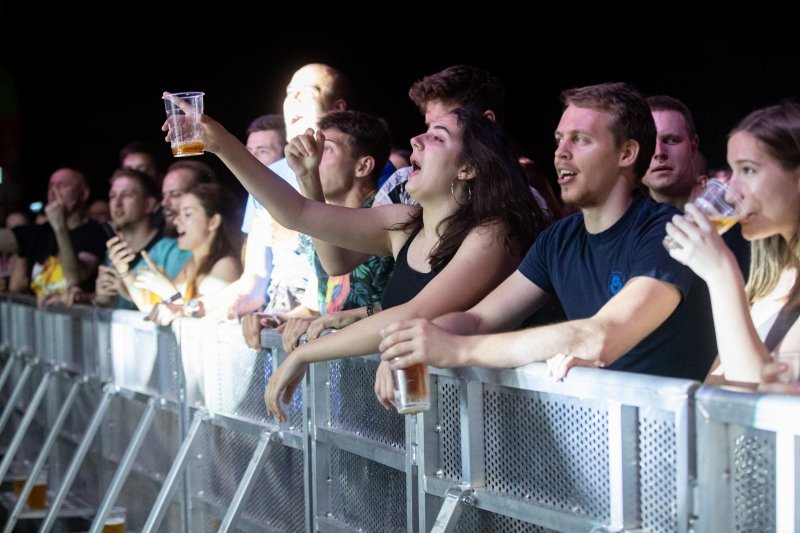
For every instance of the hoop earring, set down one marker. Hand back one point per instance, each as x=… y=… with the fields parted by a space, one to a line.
x=453 y=192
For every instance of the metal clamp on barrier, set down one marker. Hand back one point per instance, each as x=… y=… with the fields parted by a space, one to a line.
x=456 y=499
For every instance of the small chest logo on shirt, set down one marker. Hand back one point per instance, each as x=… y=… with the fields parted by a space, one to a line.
x=615 y=282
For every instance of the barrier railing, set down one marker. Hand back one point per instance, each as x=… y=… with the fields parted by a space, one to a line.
x=170 y=423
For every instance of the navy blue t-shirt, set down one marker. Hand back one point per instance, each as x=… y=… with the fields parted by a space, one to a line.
x=586 y=270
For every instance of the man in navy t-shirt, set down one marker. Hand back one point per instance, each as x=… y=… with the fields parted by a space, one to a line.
x=629 y=306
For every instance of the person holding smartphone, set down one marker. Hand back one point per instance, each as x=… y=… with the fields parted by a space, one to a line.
x=132 y=200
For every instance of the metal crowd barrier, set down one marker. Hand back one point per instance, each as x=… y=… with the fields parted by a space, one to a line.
x=170 y=423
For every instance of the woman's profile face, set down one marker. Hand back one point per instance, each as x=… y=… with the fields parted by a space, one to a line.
x=192 y=223
x=434 y=158
x=769 y=194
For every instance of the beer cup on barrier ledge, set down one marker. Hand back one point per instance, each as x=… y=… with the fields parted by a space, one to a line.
x=411 y=389
x=183 y=111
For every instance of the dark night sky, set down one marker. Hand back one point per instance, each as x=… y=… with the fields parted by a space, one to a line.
x=87 y=88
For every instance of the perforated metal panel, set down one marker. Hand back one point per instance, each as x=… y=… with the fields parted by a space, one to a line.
x=547 y=449
x=86 y=487
x=354 y=407
x=5 y=323
x=295 y=408
x=82 y=411
x=474 y=520
x=17 y=368
x=450 y=423
x=138 y=496
x=366 y=495
x=658 y=475
x=22 y=332
x=235 y=380
x=277 y=499
x=144 y=357
x=162 y=439
x=219 y=460
x=36 y=431
x=272 y=352
x=753 y=479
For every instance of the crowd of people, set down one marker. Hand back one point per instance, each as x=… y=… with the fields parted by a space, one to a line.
x=455 y=253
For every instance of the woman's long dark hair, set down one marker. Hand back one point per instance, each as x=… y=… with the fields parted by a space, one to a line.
x=499 y=192
x=227 y=241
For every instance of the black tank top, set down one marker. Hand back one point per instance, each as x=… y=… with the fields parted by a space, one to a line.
x=406 y=282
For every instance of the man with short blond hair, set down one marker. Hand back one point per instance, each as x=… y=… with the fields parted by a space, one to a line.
x=629 y=305
x=132 y=200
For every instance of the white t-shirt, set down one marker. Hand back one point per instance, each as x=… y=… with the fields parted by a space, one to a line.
x=288 y=268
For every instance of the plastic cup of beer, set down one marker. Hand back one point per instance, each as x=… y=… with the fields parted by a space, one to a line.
x=18 y=472
x=411 y=389
x=791 y=359
x=183 y=112
x=115 y=522
x=37 y=499
x=722 y=209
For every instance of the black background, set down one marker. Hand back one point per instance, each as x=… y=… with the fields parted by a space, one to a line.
x=88 y=82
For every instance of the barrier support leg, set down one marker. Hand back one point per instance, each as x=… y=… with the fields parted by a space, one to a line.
x=455 y=499
x=49 y=442
x=124 y=468
x=267 y=441
x=77 y=459
x=160 y=505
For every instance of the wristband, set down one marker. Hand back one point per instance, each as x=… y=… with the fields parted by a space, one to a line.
x=370 y=309
x=174 y=298
x=192 y=308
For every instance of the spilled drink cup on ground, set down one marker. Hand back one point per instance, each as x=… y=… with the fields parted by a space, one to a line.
x=37 y=499
x=722 y=210
x=183 y=112
x=115 y=522
x=411 y=389
x=18 y=473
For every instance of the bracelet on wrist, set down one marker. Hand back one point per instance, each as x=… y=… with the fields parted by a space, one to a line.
x=172 y=299
x=370 y=309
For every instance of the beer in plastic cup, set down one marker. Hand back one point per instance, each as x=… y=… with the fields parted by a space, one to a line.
x=721 y=209
x=115 y=523
x=18 y=472
x=183 y=111
x=37 y=499
x=411 y=389
x=17 y=482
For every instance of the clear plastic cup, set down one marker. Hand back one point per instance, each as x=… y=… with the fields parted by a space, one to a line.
x=18 y=472
x=115 y=522
x=722 y=210
x=183 y=111
x=412 y=389
x=37 y=499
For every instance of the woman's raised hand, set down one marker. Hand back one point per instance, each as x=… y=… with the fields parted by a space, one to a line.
x=154 y=280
